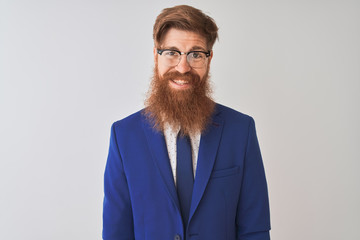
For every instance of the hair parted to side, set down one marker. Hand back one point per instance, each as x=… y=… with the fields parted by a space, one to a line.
x=187 y=18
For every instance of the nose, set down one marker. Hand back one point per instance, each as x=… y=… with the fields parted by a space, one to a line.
x=183 y=66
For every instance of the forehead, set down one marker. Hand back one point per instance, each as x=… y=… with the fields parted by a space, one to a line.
x=183 y=40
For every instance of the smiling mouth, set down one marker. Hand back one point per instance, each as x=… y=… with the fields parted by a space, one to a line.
x=181 y=82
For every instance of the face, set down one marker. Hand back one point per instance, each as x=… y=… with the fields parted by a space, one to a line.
x=180 y=95
x=183 y=41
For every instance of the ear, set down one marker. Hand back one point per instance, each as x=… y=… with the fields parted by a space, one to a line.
x=155 y=55
x=211 y=55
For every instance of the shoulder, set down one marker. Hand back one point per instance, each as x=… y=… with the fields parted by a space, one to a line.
x=129 y=123
x=236 y=125
x=232 y=116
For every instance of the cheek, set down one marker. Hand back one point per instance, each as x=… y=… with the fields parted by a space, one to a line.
x=162 y=70
x=201 y=72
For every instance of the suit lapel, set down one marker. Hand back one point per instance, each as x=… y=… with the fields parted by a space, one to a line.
x=207 y=153
x=159 y=154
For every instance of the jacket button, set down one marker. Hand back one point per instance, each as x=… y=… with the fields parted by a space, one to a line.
x=177 y=237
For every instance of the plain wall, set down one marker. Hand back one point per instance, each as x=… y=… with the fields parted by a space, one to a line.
x=68 y=69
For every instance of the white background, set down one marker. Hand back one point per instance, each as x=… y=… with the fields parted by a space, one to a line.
x=68 y=69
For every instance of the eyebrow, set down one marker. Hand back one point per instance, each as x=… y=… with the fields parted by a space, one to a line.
x=198 y=48
x=194 y=48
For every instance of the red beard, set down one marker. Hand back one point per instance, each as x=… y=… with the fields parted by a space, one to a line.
x=189 y=108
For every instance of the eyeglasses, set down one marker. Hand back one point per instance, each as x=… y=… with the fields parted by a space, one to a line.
x=196 y=59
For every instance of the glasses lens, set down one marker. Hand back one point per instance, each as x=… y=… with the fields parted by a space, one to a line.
x=171 y=57
x=196 y=59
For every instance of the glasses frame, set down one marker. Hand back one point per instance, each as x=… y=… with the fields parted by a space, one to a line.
x=207 y=54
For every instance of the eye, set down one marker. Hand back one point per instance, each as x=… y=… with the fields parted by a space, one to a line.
x=197 y=55
x=170 y=53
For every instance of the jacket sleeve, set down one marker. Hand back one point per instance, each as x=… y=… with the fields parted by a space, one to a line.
x=117 y=211
x=253 y=215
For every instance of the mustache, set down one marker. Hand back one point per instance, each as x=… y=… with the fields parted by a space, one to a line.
x=188 y=76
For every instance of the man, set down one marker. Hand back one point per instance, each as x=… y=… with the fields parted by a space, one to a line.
x=184 y=167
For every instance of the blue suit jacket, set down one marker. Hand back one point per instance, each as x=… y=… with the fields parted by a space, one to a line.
x=229 y=201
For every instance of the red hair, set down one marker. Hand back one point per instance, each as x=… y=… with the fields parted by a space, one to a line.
x=185 y=18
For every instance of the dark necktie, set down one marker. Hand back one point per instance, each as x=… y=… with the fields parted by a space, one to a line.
x=184 y=175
